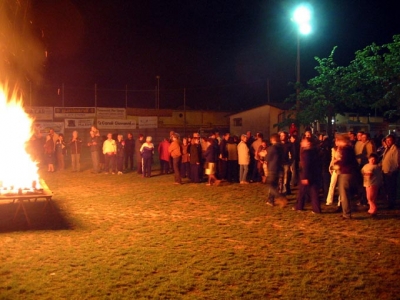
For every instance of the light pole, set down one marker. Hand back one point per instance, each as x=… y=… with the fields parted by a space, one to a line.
x=302 y=17
x=158 y=92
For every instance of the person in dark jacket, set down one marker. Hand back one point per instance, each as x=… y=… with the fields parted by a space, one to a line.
x=195 y=159
x=274 y=164
x=346 y=167
x=129 y=152
x=120 y=153
x=287 y=159
x=93 y=145
x=223 y=157
x=210 y=162
x=309 y=176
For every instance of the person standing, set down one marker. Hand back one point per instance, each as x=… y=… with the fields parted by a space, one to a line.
x=49 y=152
x=390 y=168
x=120 y=153
x=243 y=159
x=129 y=151
x=138 y=144
x=164 y=156
x=256 y=175
x=147 y=151
x=286 y=163
x=185 y=162
x=61 y=150
x=75 y=146
x=93 y=145
x=309 y=176
x=223 y=157
x=233 y=171
x=274 y=166
x=210 y=162
x=346 y=167
x=174 y=150
x=195 y=160
x=109 y=151
x=372 y=175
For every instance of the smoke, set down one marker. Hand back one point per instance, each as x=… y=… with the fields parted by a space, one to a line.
x=21 y=53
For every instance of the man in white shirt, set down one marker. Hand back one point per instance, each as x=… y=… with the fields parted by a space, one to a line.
x=109 y=151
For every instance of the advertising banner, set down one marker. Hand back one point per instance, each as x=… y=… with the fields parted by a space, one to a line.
x=148 y=122
x=78 y=123
x=42 y=113
x=116 y=124
x=110 y=113
x=44 y=127
x=74 y=112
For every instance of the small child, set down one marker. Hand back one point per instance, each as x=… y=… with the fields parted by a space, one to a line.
x=372 y=175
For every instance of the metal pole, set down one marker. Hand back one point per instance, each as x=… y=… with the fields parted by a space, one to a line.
x=62 y=96
x=184 y=111
x=155 y=97
x=158 y=91
x=95 y=95
x=126 y=96
x=298 y=74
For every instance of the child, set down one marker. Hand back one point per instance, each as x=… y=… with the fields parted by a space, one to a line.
x=372 y=175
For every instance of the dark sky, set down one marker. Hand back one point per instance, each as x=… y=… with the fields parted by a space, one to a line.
x=222 y=52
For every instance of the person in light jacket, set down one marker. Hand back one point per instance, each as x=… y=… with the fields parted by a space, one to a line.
x=243 y=159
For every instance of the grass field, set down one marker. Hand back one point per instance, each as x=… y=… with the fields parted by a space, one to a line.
x=128 y=237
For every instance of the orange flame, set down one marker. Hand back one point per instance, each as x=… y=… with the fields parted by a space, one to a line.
x=17 y=170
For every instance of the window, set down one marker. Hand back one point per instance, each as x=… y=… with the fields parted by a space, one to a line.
x=237 y=122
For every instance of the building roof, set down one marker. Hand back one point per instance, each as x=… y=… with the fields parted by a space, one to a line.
x=281 y=106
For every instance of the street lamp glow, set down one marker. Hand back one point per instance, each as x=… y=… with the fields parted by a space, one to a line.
x=305 y=29
x=302 y=17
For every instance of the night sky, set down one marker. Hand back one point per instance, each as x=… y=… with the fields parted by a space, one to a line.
x=222 y=52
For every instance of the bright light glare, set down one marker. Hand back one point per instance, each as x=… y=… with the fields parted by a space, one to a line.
x=302 y=17
x=305 y=28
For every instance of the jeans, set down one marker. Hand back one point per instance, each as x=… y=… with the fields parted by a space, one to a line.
x=76 y=164
x=109 y=162
x=243 y=172
x=176 y=164
x=390 y=184
x=344 y=181
x=272 y=187
x=95 y=161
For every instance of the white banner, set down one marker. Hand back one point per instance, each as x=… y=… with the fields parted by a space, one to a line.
x=116 y=124
x=42 y=113
x=74 y=112
x=78 y=123
x=148 y=122
x=110 y=113
x=44 y=127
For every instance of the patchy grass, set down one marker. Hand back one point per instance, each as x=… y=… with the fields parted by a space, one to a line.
x=128 y=237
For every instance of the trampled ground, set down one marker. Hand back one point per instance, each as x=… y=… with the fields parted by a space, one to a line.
x=128 y=237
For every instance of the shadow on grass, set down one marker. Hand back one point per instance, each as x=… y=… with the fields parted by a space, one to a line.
x=40 y=215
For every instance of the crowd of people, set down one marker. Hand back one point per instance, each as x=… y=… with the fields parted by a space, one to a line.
x=358 y=166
